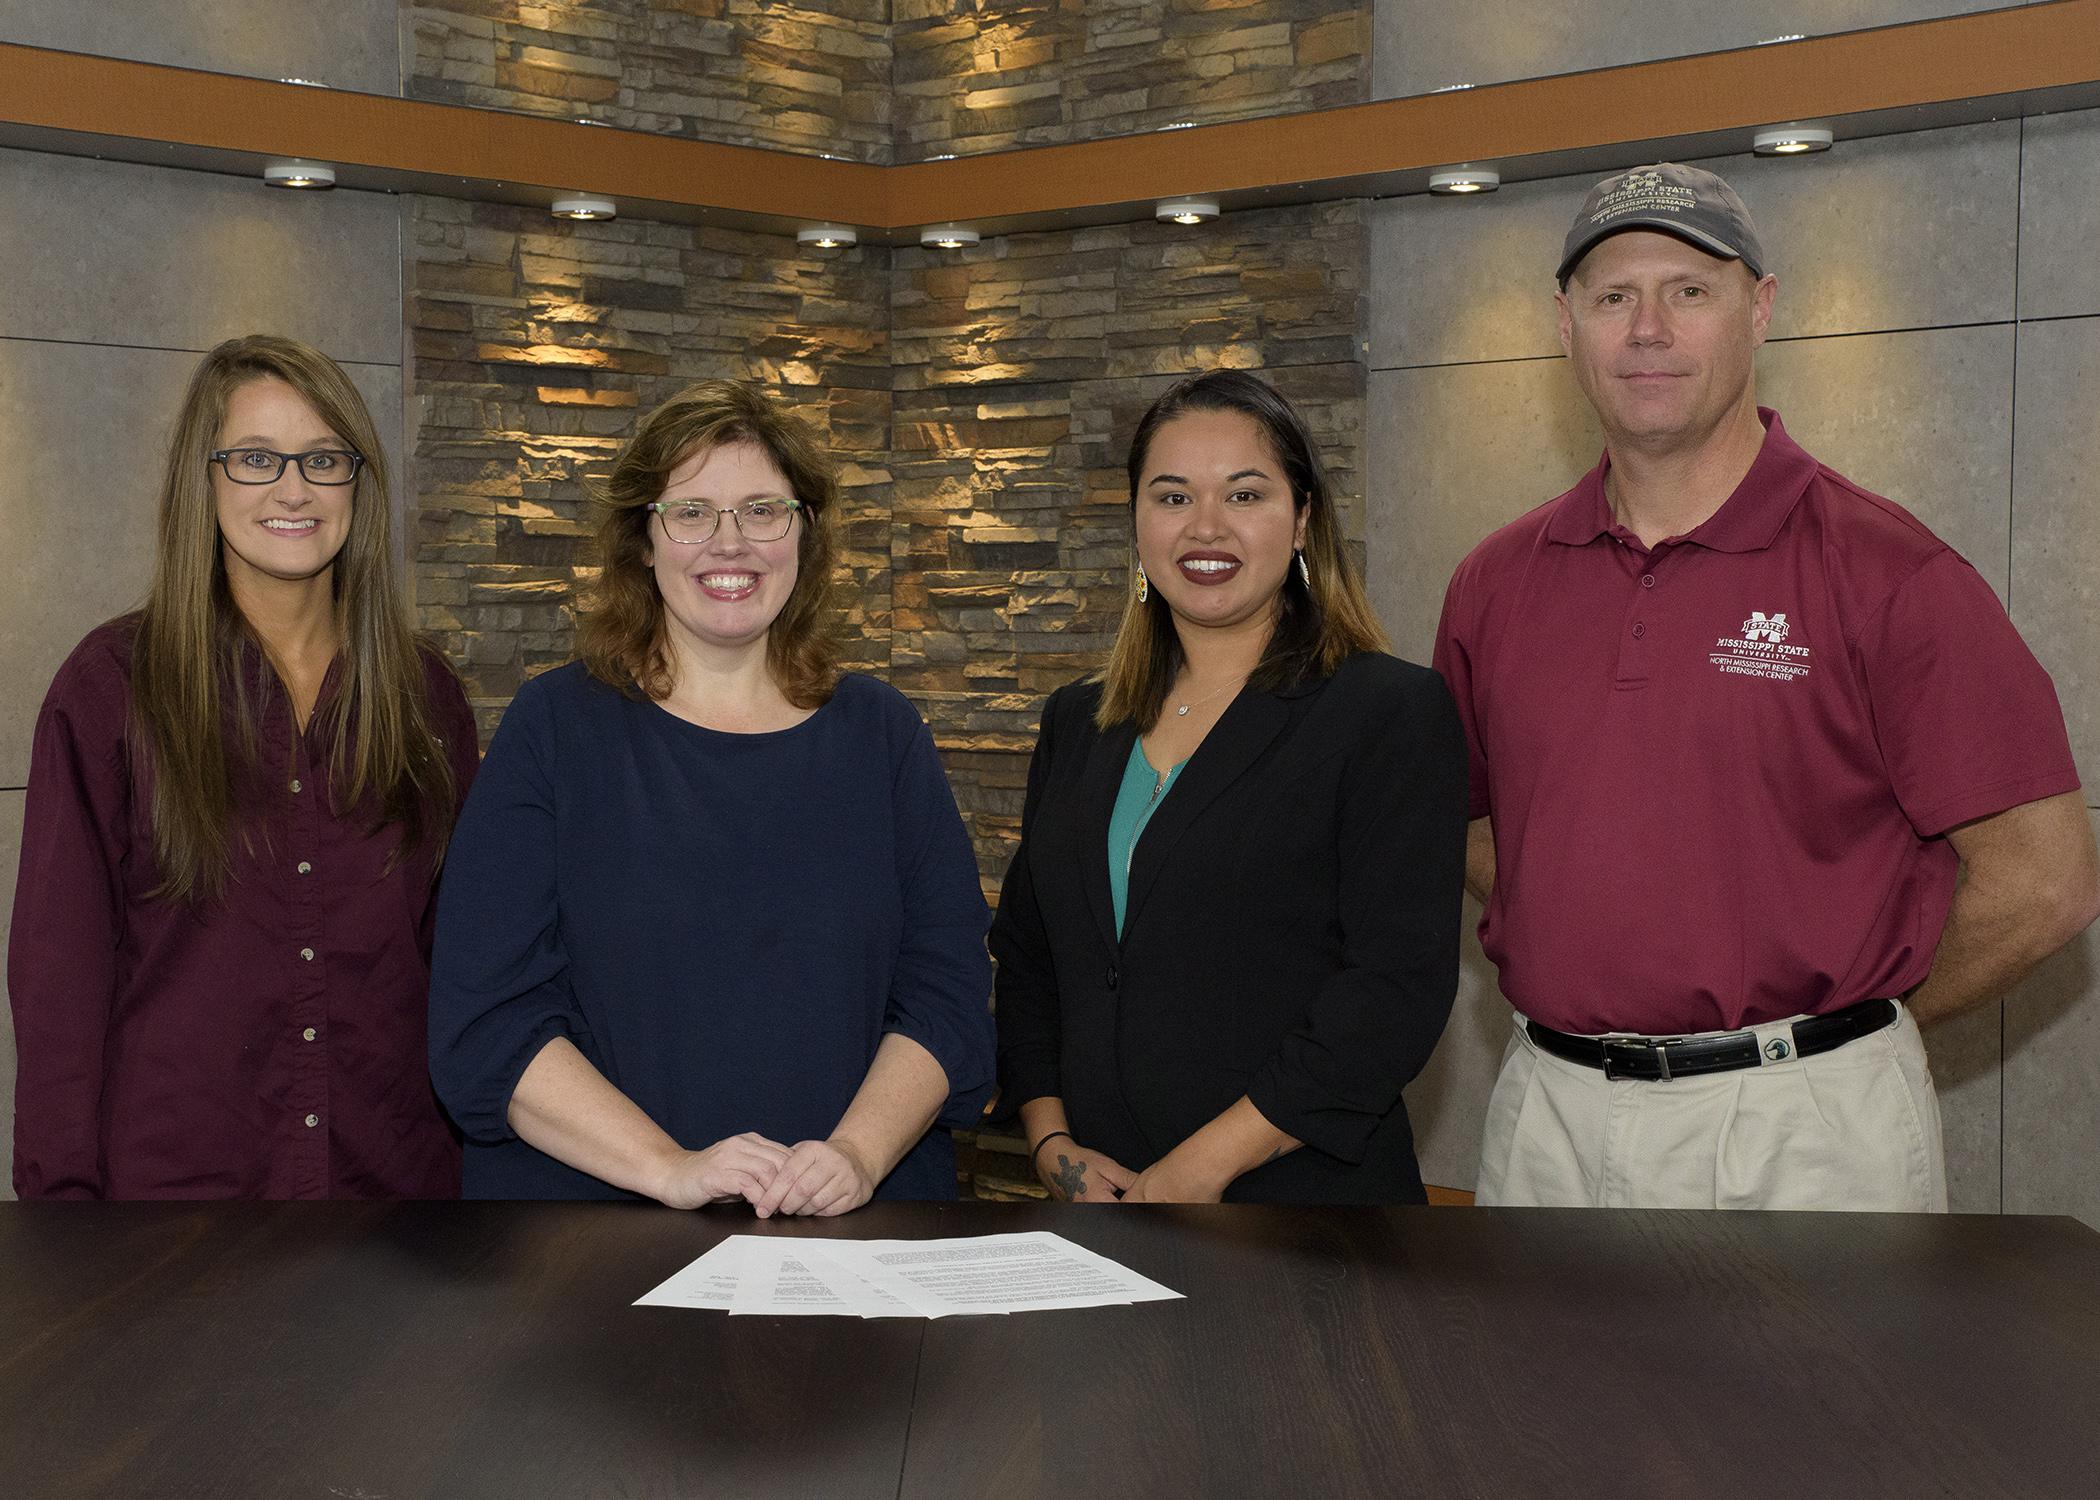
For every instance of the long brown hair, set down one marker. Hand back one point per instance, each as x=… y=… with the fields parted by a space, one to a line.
x=1318 y=626
x=621 y=638
x=187 y=675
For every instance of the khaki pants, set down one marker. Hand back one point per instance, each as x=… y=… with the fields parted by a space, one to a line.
x=1854 y=1128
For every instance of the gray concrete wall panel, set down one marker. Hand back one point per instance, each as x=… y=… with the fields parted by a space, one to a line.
x=2052 y=1086
x=156 y=258
x=1456 y=452
x=1466 y=280
x=1924 y=418
x=1422 y=45
x=2056 y=521
x=2060 y=216
x=346 y=44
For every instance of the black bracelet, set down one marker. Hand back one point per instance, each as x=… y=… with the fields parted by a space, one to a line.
x=1034 y=1155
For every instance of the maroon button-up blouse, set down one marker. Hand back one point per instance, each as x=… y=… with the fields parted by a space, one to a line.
x=267 y=1045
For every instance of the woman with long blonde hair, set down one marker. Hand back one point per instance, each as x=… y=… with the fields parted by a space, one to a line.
x=238 y=797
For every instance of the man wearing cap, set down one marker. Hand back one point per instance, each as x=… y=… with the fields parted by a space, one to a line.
x=1762 y=775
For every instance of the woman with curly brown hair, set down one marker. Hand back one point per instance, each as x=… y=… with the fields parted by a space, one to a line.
x=711 y=927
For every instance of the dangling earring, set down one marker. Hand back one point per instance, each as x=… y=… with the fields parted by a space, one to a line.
x=1304 y=570
x=1144 y=584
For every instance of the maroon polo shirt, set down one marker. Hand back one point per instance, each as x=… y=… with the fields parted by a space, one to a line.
x=270 y=1044
x=1720 y=769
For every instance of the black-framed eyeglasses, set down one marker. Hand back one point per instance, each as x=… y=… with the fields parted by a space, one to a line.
x=266 y=465
x=692 y=522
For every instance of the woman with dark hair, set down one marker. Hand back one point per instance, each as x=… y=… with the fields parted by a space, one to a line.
x=711 y=926
x=237 y=801
x=1230 y=934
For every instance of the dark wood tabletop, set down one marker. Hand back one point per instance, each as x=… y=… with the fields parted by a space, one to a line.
x=458 y=1350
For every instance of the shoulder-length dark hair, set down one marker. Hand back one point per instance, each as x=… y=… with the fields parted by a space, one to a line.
x=186 y=675
x=1317 y=626
x=621 y=637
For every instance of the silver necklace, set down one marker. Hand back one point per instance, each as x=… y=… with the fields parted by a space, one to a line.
x=1183 y=711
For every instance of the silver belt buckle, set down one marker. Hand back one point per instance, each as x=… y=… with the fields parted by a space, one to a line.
x=1628 y=1039
x=1658 y=1045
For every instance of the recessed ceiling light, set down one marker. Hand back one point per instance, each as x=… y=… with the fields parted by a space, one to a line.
x=1458 y=180
x=947 y=237
x=584 y=208
x=298 y=174
x=827 y=236
x=1186 y=210
x=1791 y=140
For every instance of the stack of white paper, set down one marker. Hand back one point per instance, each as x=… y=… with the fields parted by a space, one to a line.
x=991 y=1273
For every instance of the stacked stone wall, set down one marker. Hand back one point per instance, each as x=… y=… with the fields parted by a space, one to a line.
x=989 y=75
x=891 y=80
x=808 y=76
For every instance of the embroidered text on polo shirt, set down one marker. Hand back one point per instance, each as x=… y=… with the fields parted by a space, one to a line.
x=1763 y=650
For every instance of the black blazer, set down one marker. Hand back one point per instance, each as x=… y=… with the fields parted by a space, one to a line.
x=1291 y=932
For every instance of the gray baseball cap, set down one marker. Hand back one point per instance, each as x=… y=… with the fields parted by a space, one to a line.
x=1696 y=206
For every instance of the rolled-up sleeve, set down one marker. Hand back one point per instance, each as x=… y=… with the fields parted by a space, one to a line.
x=62 y=953
x=1026 y=989
x=1373 y=1023
x=499 y=982
x=941 y=992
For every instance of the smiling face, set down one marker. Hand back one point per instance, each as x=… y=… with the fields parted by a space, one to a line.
x=1215 y=519
x=290 y=530
x=1661 y=337
x=722 y=595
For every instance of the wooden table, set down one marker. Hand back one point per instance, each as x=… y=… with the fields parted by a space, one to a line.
x=461 y=1350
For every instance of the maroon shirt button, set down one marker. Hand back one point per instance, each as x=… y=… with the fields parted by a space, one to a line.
x=1639 y=630
x=1647 y=580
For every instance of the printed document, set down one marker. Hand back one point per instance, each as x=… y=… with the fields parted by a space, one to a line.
x=981 y=1274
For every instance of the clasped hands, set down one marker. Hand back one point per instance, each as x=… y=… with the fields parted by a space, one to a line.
x=1076 y=1174
x=817 y=1178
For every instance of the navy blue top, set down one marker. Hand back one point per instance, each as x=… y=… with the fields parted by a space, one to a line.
x=724 y=924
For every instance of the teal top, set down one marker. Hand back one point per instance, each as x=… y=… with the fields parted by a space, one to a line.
x=1142 y=792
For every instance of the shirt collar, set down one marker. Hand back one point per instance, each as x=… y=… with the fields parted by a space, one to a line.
x=1746 y=522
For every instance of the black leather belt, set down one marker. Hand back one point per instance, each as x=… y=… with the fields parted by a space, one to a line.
x=1663 y=1058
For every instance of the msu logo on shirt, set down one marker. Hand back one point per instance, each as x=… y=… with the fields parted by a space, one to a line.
x=1763 y=650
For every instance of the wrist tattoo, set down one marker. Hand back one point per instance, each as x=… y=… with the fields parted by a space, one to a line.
x=1069 y=1178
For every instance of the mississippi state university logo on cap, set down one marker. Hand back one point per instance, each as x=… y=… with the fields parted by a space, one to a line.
x=1761 y=649
x=1643 y=192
